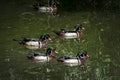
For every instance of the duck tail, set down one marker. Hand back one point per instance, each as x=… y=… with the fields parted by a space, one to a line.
x=30 y=55
x=18 y=41
x=60 y=59
x=14 y=39
x=56 y=32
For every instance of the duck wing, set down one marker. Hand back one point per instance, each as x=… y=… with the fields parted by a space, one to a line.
x=71 y=31
x=62 y=58
x=29 y=39
x=30 y=55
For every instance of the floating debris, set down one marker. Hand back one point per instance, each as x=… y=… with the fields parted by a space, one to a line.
x=101 y=29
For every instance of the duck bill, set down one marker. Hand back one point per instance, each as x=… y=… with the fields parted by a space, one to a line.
x=88 y=56
x=83 y=28
x=49 y=39
x=56 y=52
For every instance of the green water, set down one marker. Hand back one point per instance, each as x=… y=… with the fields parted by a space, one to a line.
x=101 y=40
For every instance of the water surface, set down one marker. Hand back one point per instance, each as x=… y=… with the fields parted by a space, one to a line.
x=100 y=38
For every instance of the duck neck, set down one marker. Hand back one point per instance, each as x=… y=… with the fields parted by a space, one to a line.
x=79 y=33
x=51 y=57
x=82 y=60
x=54 y=8
x=44 y=43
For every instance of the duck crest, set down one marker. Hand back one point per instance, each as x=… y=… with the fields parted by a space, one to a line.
x=44 y=37
x=43 y=40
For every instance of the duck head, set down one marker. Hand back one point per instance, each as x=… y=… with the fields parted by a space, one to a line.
x=79 y=27
x=51 y=51
x=44 y=37
x=54 y=7
x=82 y=54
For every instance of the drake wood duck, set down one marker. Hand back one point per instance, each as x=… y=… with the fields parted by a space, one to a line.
x=70 y=34
x=41 y=42
x=79 y=59
x=42 y=57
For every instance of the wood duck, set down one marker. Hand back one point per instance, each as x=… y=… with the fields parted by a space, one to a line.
x=79 y=59
x=70 y=34
x=42 y=57
x=47 y=8
x=41 y=42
